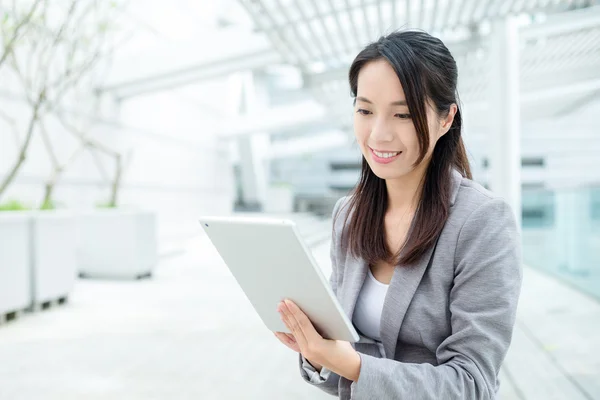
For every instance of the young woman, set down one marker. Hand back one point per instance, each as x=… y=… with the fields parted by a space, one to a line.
x=426 y=262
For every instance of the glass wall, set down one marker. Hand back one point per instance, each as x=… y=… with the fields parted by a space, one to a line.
x=561 y=234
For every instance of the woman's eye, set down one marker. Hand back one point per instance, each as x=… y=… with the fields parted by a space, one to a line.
x=403 y=116
x=363 y=111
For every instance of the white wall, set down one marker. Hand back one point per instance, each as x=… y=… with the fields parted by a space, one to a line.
x=178 y=167
x=569 y=144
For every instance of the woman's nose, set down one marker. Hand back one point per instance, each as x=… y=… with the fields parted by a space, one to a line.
x=382 y=132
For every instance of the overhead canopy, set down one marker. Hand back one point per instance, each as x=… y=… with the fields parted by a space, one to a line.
x=559 y=53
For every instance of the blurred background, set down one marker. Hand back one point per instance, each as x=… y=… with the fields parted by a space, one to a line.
x=122 y=122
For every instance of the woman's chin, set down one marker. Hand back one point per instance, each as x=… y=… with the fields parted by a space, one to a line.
x=387 y=171
x=381 y=173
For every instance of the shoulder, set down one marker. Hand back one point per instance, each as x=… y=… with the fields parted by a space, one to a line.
x=340 y=213
x=474 y=200
x=343 y=208
x=341 y=216
x=483 y=230
x=472 y=193
x=482 y=219
x=341 y=205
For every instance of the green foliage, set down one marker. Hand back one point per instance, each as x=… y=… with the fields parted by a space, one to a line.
x=48 y=205
x=14 y=205
x=106 y=205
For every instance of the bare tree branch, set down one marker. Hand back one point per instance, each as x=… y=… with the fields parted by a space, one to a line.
x=116 y=183
x=99 y=165
x=13 y=126
x=22 y=153
x=8 y=47
x=95 y=145
x=48 y=143
x=57 y=171
x=25 y=82
x=51 y=63
x=83 y=138
x=45 y=64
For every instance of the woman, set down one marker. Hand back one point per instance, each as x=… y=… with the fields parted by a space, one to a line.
x=426 y=262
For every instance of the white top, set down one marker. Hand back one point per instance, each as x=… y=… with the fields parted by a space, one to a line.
x=369 y=305
x=366 y=318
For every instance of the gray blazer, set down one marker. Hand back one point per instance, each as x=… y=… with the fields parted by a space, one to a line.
x=447 y=322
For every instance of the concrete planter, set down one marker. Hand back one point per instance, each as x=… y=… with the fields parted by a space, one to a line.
x=116 y=243
x=15 y=259
x=54 y=255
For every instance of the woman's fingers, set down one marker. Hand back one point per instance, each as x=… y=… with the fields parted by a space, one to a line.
x=298 y=323
x=300 y=319
x=288 y=340
x=286 y=336
x=290 y=336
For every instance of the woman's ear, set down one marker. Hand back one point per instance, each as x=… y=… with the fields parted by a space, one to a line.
x=448 y=120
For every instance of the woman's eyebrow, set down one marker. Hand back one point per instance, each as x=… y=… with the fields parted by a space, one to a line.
x=393 y=103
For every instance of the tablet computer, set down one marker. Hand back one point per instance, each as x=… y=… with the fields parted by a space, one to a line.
x=271 y=262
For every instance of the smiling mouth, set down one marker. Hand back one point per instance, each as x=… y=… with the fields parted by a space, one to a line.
x=385 y=154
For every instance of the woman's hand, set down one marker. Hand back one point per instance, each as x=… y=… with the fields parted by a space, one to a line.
x=336 y=355
x=288 y=340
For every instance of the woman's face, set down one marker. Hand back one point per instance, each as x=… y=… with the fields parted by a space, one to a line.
x=383 y=126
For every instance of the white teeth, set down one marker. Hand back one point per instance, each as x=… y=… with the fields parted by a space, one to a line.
x=385 y=155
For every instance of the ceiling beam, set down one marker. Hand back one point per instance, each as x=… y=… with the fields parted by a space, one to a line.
x=561 y=23
x=274 y=120
x=192 y=74
x=308 y=144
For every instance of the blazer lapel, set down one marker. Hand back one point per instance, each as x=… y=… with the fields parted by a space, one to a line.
x=403 y=286
x=356 y=272
x=399 y=295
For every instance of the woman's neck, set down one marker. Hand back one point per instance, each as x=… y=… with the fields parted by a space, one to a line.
x=404 y=192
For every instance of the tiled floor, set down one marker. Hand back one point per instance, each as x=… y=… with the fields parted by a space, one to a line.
x=189 y=333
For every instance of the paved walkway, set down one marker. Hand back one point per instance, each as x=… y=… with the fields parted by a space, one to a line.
x=555 y=352
x=189 y=333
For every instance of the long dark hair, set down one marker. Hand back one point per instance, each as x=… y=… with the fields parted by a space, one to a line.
x=427 y=71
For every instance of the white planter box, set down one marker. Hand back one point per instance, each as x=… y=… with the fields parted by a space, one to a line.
x=54 y=250
x=15 y=258
x=279 y=200
x=116 y=243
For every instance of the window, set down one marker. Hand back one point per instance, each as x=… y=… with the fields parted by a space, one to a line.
x=532 y=162
x=525 y=162
x=345 y=166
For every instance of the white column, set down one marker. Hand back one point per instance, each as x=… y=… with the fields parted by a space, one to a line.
x=253 y=169
x=504 y=117
x=254 y=148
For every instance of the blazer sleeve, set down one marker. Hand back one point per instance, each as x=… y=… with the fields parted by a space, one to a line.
x=325 y=380
x=483 y=303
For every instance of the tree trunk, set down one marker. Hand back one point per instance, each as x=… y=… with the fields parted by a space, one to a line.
x=116 y=182
x=23 y=152
x=48 y=191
